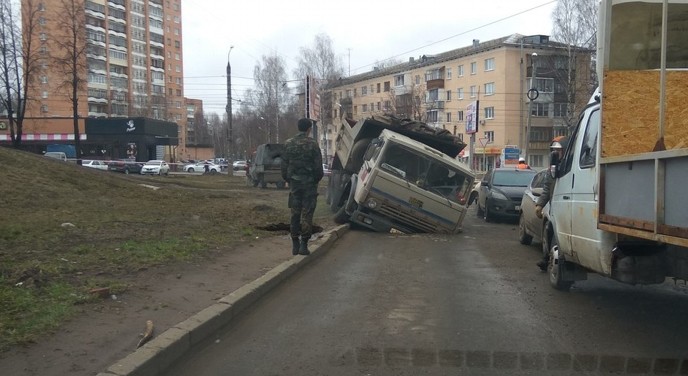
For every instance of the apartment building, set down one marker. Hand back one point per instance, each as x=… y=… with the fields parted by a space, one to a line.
x=130 y=65
x=495 y=75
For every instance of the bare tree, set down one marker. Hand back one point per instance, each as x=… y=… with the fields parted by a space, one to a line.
x=575 y=25
x=271 y=92
x=69 y=56
x=321 y=62
x=18 y=63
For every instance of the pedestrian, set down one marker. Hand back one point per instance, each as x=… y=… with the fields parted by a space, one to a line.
x=302 y=169
x=522 y=165
x=557 y=148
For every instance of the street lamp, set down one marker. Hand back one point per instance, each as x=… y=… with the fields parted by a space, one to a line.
x=532 y=96
x=229 y=106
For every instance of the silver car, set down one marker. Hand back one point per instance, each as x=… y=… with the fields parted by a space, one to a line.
x=529 y=225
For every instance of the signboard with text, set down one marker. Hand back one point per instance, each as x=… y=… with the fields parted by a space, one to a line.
x=472 y=118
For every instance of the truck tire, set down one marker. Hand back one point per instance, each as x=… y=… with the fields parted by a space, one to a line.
x=555 y=269
x=523 y=236
x=341 y=216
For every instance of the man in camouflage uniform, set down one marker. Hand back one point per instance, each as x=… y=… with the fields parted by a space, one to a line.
x=302 y=169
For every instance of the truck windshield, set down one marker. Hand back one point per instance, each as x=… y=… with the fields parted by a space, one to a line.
x=427 y=173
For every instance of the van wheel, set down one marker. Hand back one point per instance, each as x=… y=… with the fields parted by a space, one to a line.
x=523 y=236
x=555 y=269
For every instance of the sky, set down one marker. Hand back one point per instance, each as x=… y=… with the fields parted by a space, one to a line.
x=363 y=32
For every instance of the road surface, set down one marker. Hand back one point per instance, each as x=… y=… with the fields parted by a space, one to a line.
x=468 y=304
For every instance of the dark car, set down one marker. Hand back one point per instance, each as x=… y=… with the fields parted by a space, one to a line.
x=126 y=166
x=501 y=192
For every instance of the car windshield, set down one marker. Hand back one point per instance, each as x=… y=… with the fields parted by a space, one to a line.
x=516 y=178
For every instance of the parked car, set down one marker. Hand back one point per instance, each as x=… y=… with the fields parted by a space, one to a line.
x=99 y=165
x=56 y=155
x=200 y=167
x=127 y=166
x=501 y=192
x=239 y=165
x=529 y=225
x=155 y=167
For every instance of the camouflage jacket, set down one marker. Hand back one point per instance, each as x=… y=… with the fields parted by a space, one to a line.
x=302 y=160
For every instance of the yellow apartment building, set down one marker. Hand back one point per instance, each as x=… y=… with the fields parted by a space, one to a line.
x=495 y=75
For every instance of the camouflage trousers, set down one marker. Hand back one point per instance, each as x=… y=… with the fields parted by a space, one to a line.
x=302 y=201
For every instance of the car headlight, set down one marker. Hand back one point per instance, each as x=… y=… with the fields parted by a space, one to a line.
x=372 y=204
x=498 y=196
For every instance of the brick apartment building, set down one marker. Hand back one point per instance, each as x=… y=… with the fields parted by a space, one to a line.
x=132 y=67
x=497 y=73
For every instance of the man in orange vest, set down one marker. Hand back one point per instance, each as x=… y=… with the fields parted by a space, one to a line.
x=522 y=165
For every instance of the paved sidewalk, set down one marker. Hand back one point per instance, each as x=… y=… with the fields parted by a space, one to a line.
x=156 y=356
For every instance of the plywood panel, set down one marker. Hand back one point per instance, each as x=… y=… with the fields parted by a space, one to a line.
x=630 y=112
x=676 y=124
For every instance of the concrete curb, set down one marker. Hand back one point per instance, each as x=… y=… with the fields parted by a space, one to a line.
x=156 y=356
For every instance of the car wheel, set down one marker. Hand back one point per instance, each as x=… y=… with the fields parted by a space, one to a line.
x=480 y=211
x=523 y=236
x=555 y=268
x=190 y=169
x=126 y=171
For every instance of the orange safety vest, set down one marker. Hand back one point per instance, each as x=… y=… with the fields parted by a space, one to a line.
x=523 y=166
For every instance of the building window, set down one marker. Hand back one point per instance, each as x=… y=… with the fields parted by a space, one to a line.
x=489 y=88
x=544 y=85
x=417 y=79
x=459 y=93
x=459 y=116
x=355 y=92
x=387 y=105
x=41 y=20
x=489 y=64
x=459 y=71
x=560 y=109
x=432 y=116
x=489 y=135
x=378 y=87
x=540 y=109
x=386 y=86
x=355 y=110
x=489 y=112
x=474 y=67
x=44 y=79
x=44 y=108
x=448 y=95
x=398 y=80
x=364 y=91
x=41 y=7
x=44 y=95
x=449 y=74
x=474 y=91
x=449 y=117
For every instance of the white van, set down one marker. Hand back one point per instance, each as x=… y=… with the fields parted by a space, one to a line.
x=57 y=155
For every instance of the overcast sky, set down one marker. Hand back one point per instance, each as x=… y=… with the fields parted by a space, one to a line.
x=363 y=32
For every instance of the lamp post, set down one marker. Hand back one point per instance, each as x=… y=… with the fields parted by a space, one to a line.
x=532 y=96
x=229 y=107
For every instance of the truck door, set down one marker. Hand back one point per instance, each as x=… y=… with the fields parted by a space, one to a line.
x=584 y=193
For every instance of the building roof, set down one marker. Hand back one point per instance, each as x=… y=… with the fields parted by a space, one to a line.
x=513 y=40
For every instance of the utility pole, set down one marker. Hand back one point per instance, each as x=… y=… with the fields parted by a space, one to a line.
x=229 y=107
x=532 y=96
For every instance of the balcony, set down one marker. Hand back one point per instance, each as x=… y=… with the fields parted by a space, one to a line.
x=435 y=84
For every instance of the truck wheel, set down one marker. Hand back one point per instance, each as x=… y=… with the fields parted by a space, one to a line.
x=555 y=269
x=341 y=217
x=523 y=236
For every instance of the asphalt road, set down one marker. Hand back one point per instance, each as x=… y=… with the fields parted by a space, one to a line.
x=469 y=304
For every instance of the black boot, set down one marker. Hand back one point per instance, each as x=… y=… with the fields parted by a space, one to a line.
x=303 y=249
x=295 y=245
x=542 y=264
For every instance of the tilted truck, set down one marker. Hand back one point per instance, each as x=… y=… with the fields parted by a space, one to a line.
x=398 y=175
x=619 y=206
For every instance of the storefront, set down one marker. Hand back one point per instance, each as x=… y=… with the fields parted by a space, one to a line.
x=141 y=139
